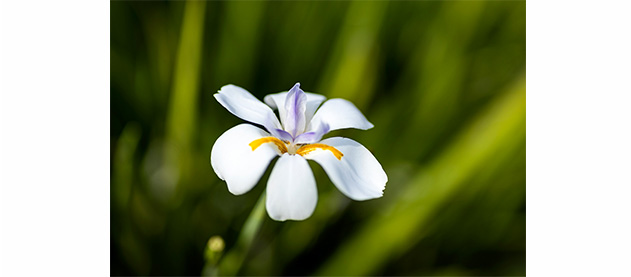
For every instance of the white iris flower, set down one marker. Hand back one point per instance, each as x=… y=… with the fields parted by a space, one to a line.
x=241 y=155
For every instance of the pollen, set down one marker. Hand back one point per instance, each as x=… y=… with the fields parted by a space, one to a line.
x=281 y=146
x=306 y=149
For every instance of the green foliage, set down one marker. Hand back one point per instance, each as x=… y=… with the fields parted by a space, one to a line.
x=443 y=83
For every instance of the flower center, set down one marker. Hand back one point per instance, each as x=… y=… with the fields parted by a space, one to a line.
x=291 y=148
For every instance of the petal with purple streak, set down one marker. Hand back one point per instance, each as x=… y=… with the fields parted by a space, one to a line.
x=295 y=107
x=282 y=134
x=277 y=101
x=313 y=136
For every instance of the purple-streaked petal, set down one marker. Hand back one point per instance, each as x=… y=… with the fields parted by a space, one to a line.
x=309 y=137
x=295 y=107
x=282 y=134
x=277 y=101
x=313 y=136
x=338 y=114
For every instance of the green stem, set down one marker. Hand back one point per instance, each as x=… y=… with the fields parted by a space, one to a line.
x=233 y=260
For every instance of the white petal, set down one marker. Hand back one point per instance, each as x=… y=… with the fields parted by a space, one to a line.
x=277 y=101
x=234 y=161
x=244 y=105
x=357 y=174
x=339 y=114
x=291 y=189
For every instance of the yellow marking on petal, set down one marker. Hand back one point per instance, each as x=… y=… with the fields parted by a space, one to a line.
x=257 y=142
x=302 y=151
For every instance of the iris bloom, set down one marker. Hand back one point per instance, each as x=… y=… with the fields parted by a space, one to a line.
x=241 y=155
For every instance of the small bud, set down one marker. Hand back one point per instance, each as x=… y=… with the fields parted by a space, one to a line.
x=214 y=251
x=216 y=244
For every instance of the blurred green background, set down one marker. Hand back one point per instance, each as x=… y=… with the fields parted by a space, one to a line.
x=443 y=83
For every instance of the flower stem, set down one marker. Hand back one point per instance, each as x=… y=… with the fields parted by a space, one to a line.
x=233 y=260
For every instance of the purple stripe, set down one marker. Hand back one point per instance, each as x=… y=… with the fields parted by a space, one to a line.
x=312 y=137
x=295 y=105
x=282 y=135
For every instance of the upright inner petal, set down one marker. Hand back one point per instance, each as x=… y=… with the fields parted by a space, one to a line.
x=295 y=106
x=277 y=101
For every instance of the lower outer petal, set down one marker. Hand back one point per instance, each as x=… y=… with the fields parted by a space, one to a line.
x=234 y=161
x=357 y=174
x=291 y=189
